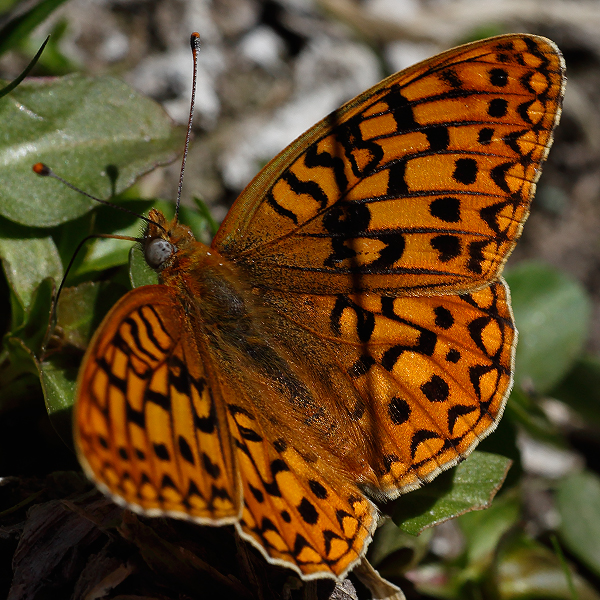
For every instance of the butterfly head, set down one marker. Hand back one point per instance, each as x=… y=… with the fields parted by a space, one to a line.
x=163 y=240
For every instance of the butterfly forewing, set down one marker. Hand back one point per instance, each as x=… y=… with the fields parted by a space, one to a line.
x=149 y=422
x=421 y=184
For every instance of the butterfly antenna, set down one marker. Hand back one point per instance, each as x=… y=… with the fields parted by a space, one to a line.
x=195 y=44
x=45 y=171
x=53 y=313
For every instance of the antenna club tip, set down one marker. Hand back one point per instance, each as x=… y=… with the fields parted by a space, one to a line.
x=42 y=169
x=195 y=41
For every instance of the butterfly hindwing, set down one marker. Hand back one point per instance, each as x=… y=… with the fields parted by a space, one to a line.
x=432 y=374
x=296 y=459
x=296 y=511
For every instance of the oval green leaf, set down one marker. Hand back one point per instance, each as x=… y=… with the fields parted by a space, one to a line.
x=470 y=486
x=28 y=257
x=552 y=313
x=578 y=503
x=97 y=133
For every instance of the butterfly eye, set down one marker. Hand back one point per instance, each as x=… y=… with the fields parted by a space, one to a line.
x=157 y=252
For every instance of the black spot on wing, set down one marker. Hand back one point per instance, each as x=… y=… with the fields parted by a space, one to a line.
x=498 y=77
x=448 y=246
x=436 y=389
x=361 y=366
x=161 y=452
x=308 y=512
x=453 y=356
x=497 y=108
x=498 y=175
x=443 y=317
x=365 y=320
x=451 y=78
x=398 y=411
x=314 y=158
x=446 y=209
x=210 y=467
x=400 y=109
x=317 y=489
x=397 y=186
x=456 y=412
x=390 y=253
x=185 y=450
x=465 y=171
x=420 y=436
x=258 y=495
x=280 y=210
x=438 y=138
x=485 y=136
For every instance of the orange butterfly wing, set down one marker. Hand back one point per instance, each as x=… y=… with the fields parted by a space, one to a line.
x=354 y=336
x=420 y=184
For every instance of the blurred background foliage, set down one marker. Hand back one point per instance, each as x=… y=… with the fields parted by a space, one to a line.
x=269 y=70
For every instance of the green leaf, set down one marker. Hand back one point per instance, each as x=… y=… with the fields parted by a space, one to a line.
x=24 y=342
x=470 y=486
x=578 y=502
x=58 y=379
x=19 y=27
x=98 y=133
x=80 y=312
x=526 y=570
x=58 y=383
x=15 y=82
x=581 y=389
x=484 y=529
x=28 y=257
x=104 y=253
x=82 y=308
x=552 y=313
x=139 y=271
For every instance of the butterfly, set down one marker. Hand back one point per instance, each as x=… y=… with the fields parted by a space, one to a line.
x=347 y=336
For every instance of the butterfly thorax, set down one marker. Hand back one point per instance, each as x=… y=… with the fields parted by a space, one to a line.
x=199 y=273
